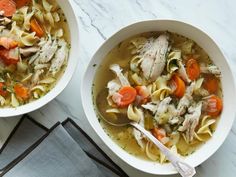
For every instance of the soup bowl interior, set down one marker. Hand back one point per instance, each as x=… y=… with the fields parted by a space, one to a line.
x=67 y=7
x=228 y=87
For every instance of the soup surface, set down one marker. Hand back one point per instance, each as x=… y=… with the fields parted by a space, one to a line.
x=166 y=83
x=34 y=49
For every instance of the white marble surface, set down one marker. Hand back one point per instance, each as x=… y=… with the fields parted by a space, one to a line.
x=99 y=19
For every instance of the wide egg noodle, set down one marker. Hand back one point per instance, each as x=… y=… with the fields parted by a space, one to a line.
x=152 y=152
x=162 y=89
x=172 y=61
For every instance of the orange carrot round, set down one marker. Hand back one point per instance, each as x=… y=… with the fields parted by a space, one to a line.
x=8 y=6
x=192 y=69
x=3 y=91
x=128 y=94
x=214 y=106
x=211 y=84
x=36 y=27
x=21 y=91
x=179 y=86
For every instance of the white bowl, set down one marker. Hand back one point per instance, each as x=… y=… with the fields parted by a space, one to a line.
x=203 y=40
x=67 y=7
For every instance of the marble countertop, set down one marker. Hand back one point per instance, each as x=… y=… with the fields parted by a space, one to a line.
x=99 y=19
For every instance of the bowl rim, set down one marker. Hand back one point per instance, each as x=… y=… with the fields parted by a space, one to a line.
x=83 y=83
x=66 y=76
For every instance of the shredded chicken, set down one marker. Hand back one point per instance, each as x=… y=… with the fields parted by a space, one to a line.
x=154 y=59
x=172 y=110
x=162 y=108
x=48 y=50
x=173 y=120
x=34 y=59
x=29 y=51
x=191 y=121
x=182 y=73
x=60 y=58
x=211 y=69
x=113 y=86
x=41 y=66
x=173 y=115
x=36 y=77
x=185 y=101
x=151 y=107
x=118 y=71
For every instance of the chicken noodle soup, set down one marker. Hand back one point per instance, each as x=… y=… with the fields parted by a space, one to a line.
x=34 y=48
x=167 y=84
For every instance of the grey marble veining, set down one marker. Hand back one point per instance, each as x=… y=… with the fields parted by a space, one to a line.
x=99 y=19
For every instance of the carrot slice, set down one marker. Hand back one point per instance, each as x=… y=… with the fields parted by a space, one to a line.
x=21 y=3
x=21 y=91
x=128 y=96
x=192 y=69
x=8 y=43
x=8 y=6
x=214 y=106
x=211 y=84
x=3 y=91
x=36 y=27
x=179 y=86
x=5 y=56
x=158 y=133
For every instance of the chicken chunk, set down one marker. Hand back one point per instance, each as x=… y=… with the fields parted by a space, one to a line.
x=163 y=106
x=60 y=58
x=113 y=86
x=191 y=121
x=48 y=50
x=29 y=51
x=185 y=101
x=36 y=77
x=118 y=71
x=151 y=107
x=210 y=69
x=182 y=72
x=154 y=58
